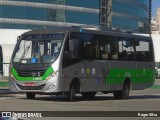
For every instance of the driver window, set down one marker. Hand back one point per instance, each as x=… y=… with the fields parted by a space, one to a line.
x=71 y=53
x=71 y=48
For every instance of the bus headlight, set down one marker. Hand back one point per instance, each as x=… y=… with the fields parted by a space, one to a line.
x=52 y=75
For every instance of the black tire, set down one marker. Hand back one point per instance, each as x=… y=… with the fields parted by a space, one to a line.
x=30 y=95
x=122 y=94
x=88 y=95
x=72 y=93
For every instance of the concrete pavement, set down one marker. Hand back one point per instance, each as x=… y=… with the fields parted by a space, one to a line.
x=157 y=82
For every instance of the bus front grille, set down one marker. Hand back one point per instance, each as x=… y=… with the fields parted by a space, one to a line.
x=30 y=73
x=31 y=87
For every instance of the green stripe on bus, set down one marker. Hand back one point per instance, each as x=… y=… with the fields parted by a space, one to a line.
x=19 y=78
x=117 y=76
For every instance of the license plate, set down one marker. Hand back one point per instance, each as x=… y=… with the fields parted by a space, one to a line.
x=29 y=84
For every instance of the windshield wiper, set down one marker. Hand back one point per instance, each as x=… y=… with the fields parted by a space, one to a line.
x=25 y=52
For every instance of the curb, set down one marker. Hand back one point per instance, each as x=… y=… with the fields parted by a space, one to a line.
x=2 y=92
x=6 y=91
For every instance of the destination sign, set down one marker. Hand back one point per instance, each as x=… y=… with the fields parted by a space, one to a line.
x=43 y=36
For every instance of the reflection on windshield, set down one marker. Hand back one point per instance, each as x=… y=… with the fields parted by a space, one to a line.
x=42 y=50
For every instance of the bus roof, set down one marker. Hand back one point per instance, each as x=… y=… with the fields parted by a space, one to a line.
x=84 y=30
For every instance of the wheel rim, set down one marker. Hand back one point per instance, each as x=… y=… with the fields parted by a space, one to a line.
x=72 y=93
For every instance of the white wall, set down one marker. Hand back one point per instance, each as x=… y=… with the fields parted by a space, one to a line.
x=9 y=36
x=156 y=44
x=8 y=39
x=7 y=52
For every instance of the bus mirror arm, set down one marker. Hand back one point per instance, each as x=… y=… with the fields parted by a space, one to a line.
x=18 y=39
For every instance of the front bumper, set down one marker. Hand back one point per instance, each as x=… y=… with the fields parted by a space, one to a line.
x=44 y=86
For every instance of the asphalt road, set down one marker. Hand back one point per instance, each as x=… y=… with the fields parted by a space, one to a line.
x=141 y=100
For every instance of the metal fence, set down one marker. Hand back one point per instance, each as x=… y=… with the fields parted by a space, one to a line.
x=4 y=73
x=4 y=69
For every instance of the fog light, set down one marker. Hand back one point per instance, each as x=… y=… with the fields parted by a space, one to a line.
x=52 y=87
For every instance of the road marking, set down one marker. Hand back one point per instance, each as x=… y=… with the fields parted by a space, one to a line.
x=2 y=98
x=156 y=94
x=19 y=95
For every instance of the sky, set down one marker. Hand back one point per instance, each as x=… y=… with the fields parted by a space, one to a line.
x=155 y=5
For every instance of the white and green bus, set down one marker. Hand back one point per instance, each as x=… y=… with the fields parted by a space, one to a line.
x=70 y=60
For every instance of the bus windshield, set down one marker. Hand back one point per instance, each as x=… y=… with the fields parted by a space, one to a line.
x=35 y=49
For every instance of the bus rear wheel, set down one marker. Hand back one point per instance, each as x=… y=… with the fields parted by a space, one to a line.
x=30 y=95
x=124 y=93
x=89 y=95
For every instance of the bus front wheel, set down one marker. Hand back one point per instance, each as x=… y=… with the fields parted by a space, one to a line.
x=72 y=93
x=30 y=95
x=124 y=93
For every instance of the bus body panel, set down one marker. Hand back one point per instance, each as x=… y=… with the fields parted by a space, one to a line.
x=92 y=75
x=108 y=75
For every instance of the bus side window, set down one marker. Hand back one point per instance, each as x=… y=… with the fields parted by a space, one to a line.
x=126 y=49
x=106 y=52
x=88 y=51
x=124 y=55
x=144 y=51
x=71 y=49
x=104 y=47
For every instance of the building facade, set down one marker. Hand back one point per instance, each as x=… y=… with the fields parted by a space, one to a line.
x=158 y=16
x=131 y=15
x=155 y=23
x=28 y=14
